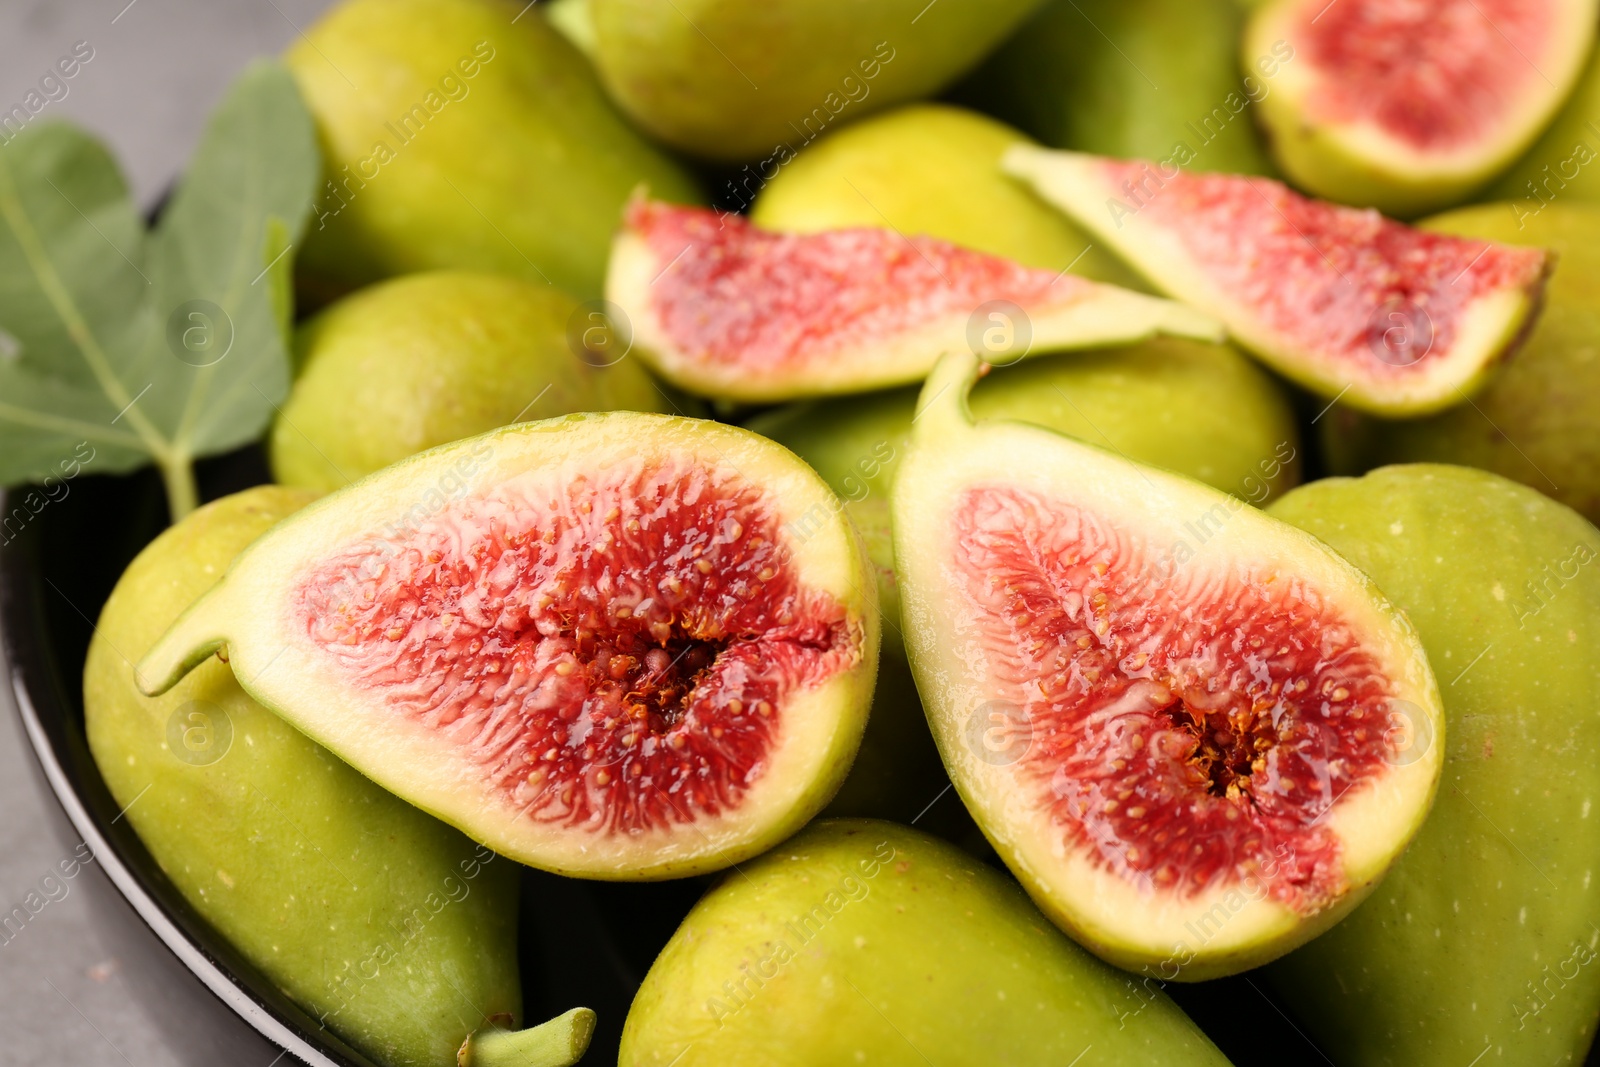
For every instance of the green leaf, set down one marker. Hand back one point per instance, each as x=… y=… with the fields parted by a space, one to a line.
x=151 y=347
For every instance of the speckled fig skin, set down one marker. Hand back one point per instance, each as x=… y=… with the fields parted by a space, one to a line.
x=521 y=165
x=372 y=916
x=1127 y=78
x=737 y=81
x=1200 y=409
x=866 y=942
x=929 y=169
x=1482 y=941
x=1538 y=419
x=430 y=358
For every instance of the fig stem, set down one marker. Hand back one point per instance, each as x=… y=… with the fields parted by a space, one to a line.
x=942 y=410
x=560 y=1042
x=189 y=642
x=177 y=475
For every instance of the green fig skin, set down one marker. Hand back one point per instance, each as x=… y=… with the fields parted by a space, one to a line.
x=1537 y=421
x=426 y=359
x=521 y=166
x=859 y=941
x=1200 y=409
x=1134 y=79
x=1561 y=164
x=1482 y=940
x=736 y=81
x=385 y=925
x=932 y=169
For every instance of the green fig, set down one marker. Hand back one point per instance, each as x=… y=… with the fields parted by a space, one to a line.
x=865 y=942
x=928 y=169
x=426 y=359
x=463 y=133
x=733 y=80
x=1538 y=419
x=1481 y=944
x=1140 y=79
x=392 y=930
x=1197 y=408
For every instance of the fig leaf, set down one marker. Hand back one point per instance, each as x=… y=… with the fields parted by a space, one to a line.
x=163 y=345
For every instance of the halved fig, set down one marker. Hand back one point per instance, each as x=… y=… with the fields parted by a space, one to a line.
x=1196 y=735
x=618 y=646
x=723 y=308
x=1410 y=107
x=1350 y=304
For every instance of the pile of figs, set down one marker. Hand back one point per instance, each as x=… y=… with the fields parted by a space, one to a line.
x=1017 y=490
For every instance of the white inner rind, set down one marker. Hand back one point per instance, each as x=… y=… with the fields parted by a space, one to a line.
x=1076 y=183
x=1087 y=315
x=1130 y=924
x=281 y=666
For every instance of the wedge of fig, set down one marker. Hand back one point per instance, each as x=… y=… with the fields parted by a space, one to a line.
x=1410 y=107
x=1538 y=419
x=1179 y=722
x=723 y=308
x=1349 y=304
x=619 y=646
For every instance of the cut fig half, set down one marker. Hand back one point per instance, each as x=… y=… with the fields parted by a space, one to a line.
x=1410 y=107
x=1195 y=734
x=723 y=308
x=1387 y=318
x=617 y=646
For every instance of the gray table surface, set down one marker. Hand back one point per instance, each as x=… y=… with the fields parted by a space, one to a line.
x=85 y=982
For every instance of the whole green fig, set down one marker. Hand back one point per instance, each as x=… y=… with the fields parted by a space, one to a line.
x=391 y=929
x=431 y=358
x=464 y=133
x=865 y=942
x=1480 y=946
x=927 y=169
x=734 y=80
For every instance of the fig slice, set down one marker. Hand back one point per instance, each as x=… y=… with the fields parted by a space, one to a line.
x=1183 y=725
x=616 y=646
x=723 y=308
x=1350 y=304
x=1410 y=107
